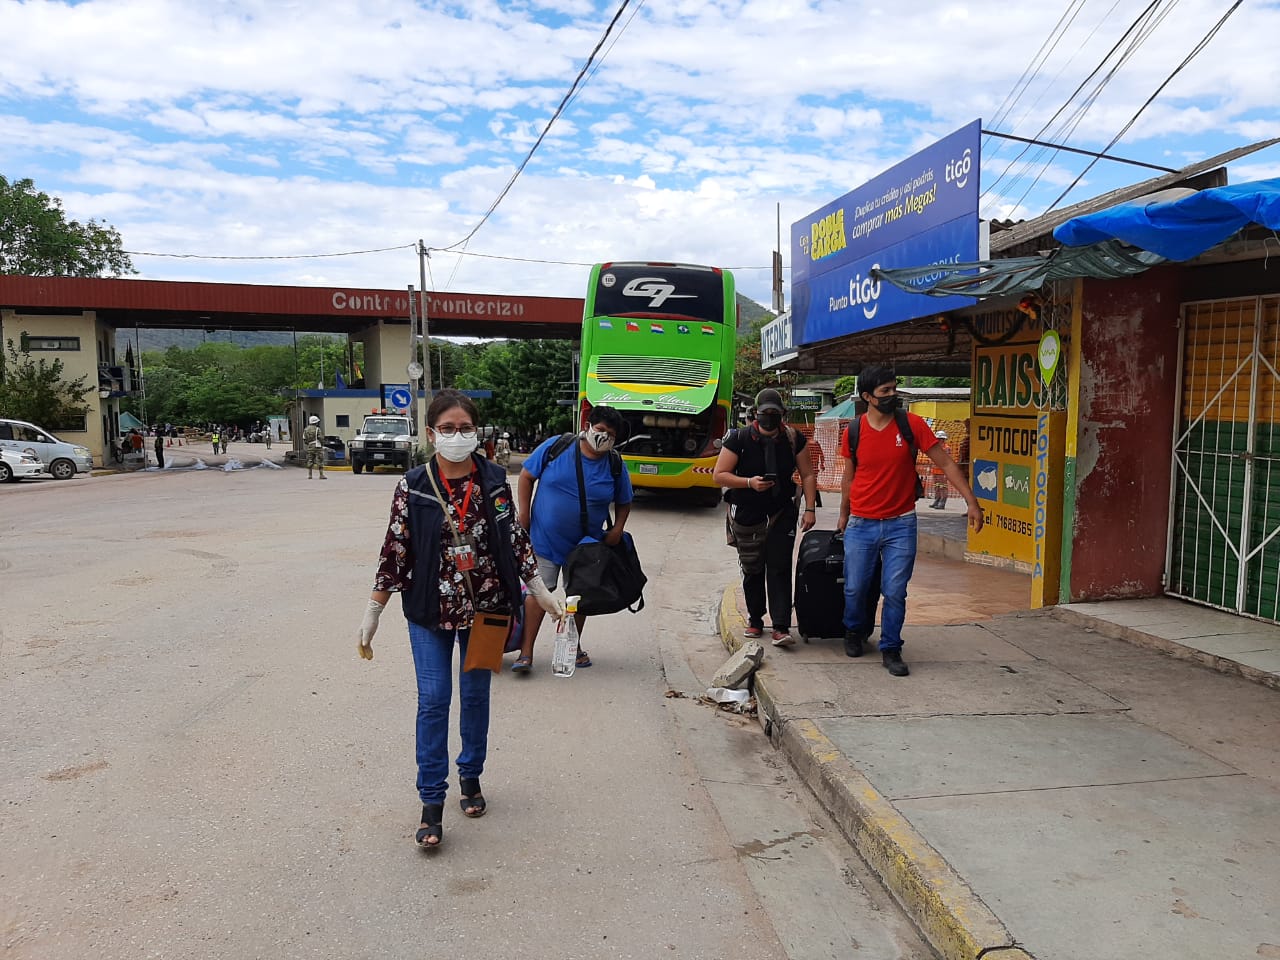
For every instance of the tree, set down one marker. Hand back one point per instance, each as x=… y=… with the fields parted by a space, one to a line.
x=36 y=238
x=528 y=378
x=34 y=390
x=846 y=385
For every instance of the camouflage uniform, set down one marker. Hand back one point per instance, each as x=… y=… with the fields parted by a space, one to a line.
x=311 y=441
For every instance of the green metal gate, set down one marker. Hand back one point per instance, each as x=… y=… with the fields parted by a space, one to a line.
x=1224 y=526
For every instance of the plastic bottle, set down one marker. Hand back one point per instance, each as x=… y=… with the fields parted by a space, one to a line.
x=564 y=659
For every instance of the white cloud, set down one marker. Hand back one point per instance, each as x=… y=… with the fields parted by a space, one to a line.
x=247 y=127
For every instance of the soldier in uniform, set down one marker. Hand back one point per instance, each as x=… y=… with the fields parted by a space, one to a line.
x=312 y=442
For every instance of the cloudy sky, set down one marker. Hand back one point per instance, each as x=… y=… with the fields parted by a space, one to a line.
x=275 y=129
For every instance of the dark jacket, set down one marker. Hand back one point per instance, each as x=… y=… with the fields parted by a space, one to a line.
x=429 y=533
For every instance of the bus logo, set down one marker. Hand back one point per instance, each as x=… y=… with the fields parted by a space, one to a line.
x=657 y=289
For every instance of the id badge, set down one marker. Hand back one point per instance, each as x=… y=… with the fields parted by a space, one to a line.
x=464 y=555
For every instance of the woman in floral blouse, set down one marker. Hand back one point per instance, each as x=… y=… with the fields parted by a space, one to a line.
x=441 y=580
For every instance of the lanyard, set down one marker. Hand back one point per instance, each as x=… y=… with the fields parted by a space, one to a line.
x=466 y=500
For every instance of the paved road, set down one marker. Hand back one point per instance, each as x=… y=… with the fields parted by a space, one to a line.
x=197 y=764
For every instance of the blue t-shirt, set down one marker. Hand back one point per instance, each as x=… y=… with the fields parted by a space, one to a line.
x=557 y=527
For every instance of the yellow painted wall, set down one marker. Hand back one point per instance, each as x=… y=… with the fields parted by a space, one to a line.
x=941 y=409
x=75 y=364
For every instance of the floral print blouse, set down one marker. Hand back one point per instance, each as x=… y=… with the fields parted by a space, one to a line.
x=396 y=561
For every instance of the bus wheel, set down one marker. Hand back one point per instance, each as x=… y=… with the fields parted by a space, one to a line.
x=705 y=497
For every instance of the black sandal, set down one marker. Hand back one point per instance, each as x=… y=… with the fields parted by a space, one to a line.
x=432 y=827
x=472 y=800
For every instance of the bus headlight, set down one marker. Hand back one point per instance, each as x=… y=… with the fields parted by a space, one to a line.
x=690 y=445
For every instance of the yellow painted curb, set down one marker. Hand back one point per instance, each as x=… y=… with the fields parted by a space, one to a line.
x=956 y=922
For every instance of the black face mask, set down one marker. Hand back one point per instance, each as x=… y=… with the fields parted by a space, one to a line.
x=769 y=419
x=888 y=404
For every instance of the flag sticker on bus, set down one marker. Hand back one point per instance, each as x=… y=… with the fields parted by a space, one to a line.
x=606 y=324
x=656 y=328
x=633 y=327
x=708 y=330
x=681 y=328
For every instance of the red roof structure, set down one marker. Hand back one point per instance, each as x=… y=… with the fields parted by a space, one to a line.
x=242 y=306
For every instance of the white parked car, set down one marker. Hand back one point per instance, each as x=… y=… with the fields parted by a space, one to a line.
x=63 y=460
x=14 y=466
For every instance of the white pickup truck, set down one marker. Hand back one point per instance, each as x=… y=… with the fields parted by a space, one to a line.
x=384 y=439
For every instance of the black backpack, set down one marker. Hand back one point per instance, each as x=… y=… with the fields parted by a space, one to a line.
x=904 y=428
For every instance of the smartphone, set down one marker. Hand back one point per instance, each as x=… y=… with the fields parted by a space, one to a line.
x=771 y=477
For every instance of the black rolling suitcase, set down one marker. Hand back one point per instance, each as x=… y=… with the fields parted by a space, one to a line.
x=819 y=599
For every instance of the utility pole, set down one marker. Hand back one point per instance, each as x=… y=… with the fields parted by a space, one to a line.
x=413 y=370
x=422 y=314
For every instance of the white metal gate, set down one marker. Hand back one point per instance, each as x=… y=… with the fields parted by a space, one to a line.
x=1224 y=526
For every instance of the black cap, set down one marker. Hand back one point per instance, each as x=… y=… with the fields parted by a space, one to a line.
x=769 y=399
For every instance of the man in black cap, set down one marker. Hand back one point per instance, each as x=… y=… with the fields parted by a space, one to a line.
x=756 y=464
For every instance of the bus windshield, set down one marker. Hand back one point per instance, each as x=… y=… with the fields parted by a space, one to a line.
x=656 y=291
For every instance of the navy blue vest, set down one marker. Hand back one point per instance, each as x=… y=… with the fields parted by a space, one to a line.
x=429 y=533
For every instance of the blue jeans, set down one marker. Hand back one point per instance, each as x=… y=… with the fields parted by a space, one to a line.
x=894 y=541
x=433 y=663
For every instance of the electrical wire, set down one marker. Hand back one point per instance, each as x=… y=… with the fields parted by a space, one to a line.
x=296 y=256
x=558 y=263
x=1038 y=160
x=1078 y=115
x=1040 y=134
x=577 y=81
x=604 y=56
x=1032 y=68
x=1196 y=50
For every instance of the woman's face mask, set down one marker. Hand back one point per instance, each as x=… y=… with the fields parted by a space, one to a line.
x=599 y=440
x=456 y=448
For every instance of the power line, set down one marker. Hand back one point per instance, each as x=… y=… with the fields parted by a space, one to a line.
x=545 y=130
x=1086 y=153
x=296 y=256
x=1033 y=67
x=1204 y=42
x=558 y=263
x=1124 y=37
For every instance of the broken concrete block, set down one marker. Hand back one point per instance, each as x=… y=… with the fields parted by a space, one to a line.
x=734 y=672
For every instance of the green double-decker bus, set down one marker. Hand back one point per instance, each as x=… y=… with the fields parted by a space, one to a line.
x=658 y=344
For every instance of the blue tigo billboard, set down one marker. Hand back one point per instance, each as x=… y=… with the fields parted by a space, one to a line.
x=922 y=211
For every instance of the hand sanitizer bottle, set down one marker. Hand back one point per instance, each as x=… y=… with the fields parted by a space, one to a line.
x=564 y=659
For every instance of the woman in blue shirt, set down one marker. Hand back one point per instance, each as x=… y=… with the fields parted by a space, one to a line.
x=554 y=518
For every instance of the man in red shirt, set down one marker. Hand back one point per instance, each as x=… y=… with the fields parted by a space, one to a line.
x=878 y=512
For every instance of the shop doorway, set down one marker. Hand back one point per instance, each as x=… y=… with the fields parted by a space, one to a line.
x=1224 y=528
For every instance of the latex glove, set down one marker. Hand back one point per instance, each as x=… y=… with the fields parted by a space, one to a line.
x=368 y=627
x=548 y=602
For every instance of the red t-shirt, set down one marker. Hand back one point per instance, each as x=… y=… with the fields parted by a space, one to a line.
x=884 y=482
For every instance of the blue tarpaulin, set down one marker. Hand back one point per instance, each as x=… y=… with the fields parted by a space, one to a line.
x=1179 y=229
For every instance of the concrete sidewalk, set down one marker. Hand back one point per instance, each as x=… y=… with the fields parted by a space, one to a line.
x=1053 y=785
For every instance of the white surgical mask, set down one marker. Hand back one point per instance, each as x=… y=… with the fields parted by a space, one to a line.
x=599 y=440
x=456 y=448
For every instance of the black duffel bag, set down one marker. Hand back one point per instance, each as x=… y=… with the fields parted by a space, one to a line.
x=606 y=579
